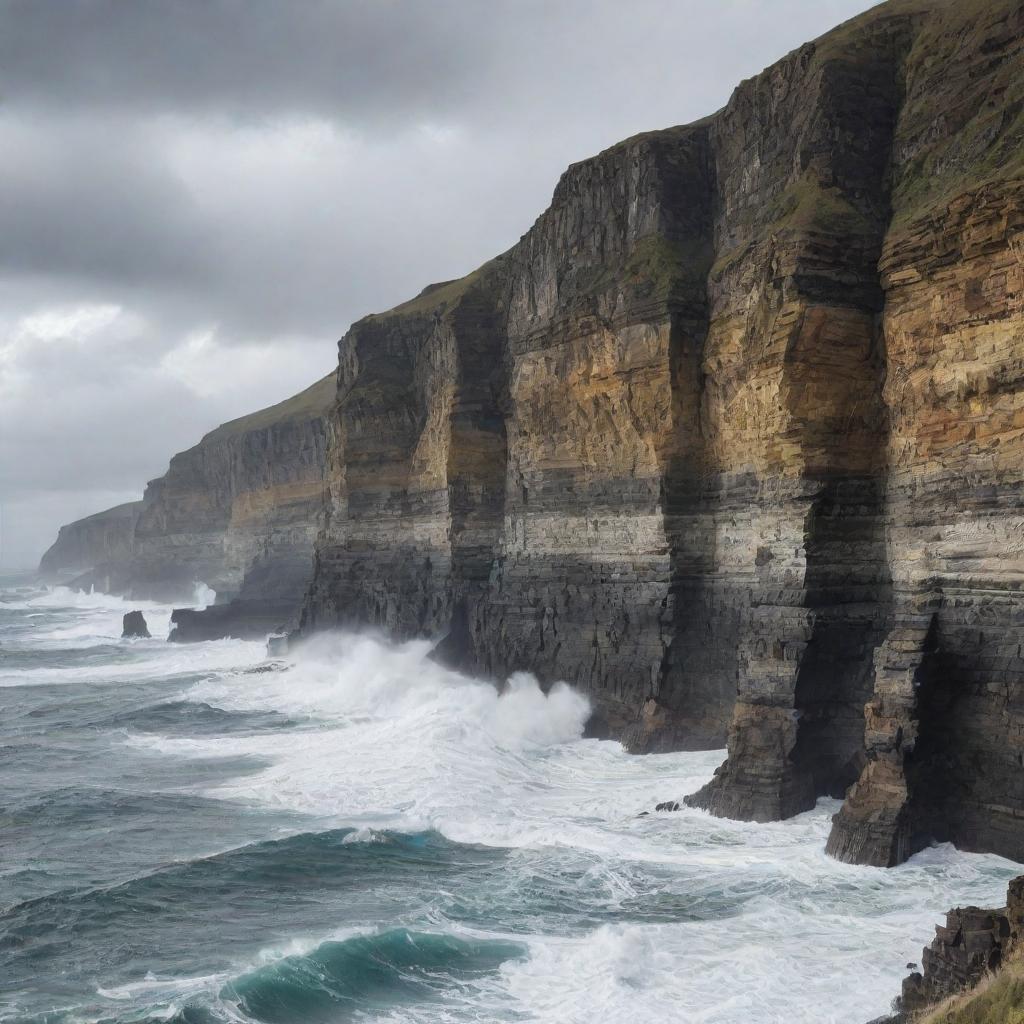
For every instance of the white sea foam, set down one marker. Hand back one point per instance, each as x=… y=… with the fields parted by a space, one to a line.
x=715 y=921
x=202 y=595
x=67 y=620
x=82 y=618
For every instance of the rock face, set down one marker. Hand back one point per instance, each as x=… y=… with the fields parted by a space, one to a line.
x=972 y=943
x=732 y=438
x=243 y=619
x=134 y=625
x=238 y=512
x=87 y=546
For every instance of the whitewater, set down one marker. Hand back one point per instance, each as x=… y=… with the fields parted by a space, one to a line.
x=200 y=834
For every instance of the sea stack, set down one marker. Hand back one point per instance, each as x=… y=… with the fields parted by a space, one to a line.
x=134 y=625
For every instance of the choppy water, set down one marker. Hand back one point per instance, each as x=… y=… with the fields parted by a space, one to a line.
x=364 y=836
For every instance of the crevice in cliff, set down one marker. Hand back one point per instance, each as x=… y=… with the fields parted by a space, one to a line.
x=691 y=692
x=847 y=585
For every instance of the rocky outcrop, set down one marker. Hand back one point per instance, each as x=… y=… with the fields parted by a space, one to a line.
x=98 y=544
x=731 y=440
x=241 y=619
x=972 y=944
x=133 y=624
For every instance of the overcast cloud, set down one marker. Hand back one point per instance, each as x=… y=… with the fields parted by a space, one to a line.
x=198 y=196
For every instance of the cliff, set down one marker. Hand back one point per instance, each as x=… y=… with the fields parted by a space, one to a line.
x=731 y=439
x=106 y=538
x=238 y=511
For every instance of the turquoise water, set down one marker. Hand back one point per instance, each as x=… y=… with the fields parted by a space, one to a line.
x=195 y=834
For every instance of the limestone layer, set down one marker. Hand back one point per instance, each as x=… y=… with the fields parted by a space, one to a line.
x=731 y=439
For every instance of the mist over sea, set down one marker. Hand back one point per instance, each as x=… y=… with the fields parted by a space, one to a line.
x=197 y=834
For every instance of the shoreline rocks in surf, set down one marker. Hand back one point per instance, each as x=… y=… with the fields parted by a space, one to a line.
x=973 y=944
x=134 y=625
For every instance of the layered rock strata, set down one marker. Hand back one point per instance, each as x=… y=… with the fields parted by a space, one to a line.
x=238 y=512
x=945 y=724
x=732 y=435
x=93 y=547
x=732 y=439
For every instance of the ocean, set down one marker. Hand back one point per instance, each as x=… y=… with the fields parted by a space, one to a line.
x=199 y=834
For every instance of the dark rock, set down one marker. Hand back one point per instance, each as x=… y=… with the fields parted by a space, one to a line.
x=667 y=805
x=134 y=625
x=972 y=943
x=240 y=620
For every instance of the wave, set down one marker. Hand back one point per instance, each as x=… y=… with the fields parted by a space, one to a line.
x=140 y=661
x=338 y=980
x=210 y=887
x=58 y=617
x=369 y=798
x=394 y=739
x=195 y=719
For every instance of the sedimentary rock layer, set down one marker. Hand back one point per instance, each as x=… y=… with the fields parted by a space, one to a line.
x=239 y=511
x=737 y=423
x=732 y=439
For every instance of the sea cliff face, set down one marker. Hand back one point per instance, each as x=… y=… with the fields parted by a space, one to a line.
x=105 y=538
x=238 y=512
x=731 y=440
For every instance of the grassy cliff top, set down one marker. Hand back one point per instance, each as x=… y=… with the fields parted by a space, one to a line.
x=998 y=999
x=308 y=404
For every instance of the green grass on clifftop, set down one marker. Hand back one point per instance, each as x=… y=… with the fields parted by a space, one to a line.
x=999 y=999
x=314 y=401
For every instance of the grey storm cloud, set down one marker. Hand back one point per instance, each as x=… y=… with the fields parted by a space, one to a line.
x=361 y=60
x=198 y=196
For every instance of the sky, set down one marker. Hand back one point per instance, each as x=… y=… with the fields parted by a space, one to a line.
x=197 y=197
